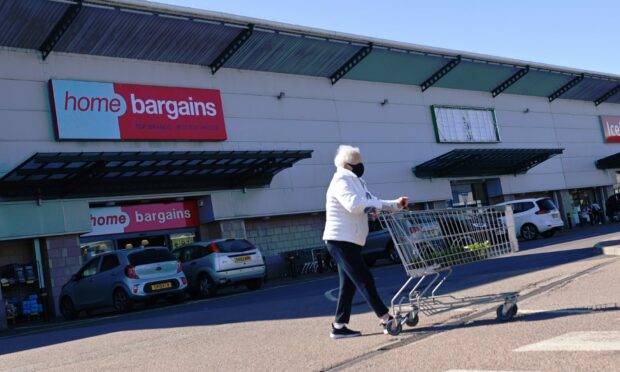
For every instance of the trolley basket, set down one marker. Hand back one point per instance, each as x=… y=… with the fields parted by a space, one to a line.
x=430 y=243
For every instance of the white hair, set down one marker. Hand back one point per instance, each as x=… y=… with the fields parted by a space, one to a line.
x=346 y=154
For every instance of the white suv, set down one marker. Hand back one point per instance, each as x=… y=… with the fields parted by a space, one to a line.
x=535 y=216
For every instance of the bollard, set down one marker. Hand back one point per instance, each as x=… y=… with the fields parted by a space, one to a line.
x=291 y=262
x=569 y=221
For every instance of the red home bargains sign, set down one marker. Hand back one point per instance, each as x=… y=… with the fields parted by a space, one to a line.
x=111 y=111
x=144 y=217
x=611 y=128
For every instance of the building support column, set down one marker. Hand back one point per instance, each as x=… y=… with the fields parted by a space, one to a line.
x=565 y=204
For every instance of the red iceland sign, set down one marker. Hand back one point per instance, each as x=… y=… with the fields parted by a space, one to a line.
x=611 y=128
x=111 y=111
x=147 y=217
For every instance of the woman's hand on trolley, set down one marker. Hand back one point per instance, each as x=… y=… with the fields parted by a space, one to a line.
x=402 y=202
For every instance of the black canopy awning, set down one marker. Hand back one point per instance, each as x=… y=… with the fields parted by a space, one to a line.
x=79 y=174
x=612 y=161
x=483 y=162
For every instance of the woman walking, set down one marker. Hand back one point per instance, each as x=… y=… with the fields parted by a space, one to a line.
x=347 y=206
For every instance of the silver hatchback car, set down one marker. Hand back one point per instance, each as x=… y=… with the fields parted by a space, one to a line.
x=122 y=277
x=215 y=263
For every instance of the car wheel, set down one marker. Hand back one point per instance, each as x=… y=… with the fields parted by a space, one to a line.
x=67 y=309
x=206 y=286
x=548 y=233
x=254 y=284
x=529 y=231
x=122 y=302
x=392 y=254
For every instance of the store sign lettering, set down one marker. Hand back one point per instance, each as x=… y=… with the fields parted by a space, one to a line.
x=111 y=111
x=611 y=128
x=147 y=217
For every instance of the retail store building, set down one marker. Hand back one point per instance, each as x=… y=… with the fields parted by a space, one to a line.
x=124 y=120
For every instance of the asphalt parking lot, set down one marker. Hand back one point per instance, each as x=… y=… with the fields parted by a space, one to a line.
x=565 y=286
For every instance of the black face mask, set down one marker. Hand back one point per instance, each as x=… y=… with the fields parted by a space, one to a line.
x=358 y=169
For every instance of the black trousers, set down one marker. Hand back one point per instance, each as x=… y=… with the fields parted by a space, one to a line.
x=353 y=274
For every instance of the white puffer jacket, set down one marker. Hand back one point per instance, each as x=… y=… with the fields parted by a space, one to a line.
x=348 y=202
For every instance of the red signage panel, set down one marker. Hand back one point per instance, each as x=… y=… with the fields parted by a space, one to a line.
x=611 y=128
x=111 y=111
x=143 y=217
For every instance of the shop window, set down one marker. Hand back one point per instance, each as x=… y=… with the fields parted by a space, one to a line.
x=464 y=124
x=90 y=250
x=178 y=240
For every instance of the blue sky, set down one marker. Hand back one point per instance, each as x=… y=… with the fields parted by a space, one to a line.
x=583 y=34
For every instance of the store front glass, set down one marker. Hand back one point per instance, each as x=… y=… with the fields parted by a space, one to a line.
x=91 y=249
x=582 y=200
x=471 y=193
x=129 y=226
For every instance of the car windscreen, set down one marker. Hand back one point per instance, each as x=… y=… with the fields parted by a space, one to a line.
x=150 y=256
x=230 y=246
x=546 y=204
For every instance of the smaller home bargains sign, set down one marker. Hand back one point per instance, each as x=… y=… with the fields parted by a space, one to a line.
x=85 y=110
x=611 y=128
x=143 y=217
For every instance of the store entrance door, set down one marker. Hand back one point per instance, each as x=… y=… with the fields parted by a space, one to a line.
x=471 y=193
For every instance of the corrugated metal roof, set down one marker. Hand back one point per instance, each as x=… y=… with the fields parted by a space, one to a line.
x=388 y=66
x=614 y=99
x=115 y=173
x=159 y=32
x=476 y=76
x=26 y=23
x=486 y=162
x=589 y=89
x=539 y=83
x=116 y=33
x=271 y=51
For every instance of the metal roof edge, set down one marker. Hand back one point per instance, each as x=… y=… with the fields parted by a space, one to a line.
x=175 y=10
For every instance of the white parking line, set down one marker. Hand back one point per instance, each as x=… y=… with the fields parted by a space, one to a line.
x=330 y=295
x=578 y=341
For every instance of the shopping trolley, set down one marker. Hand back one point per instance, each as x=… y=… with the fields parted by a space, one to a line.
x=430 y=243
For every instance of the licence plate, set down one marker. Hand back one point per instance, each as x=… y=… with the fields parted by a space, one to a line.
x=156 y=287
x=242 y=258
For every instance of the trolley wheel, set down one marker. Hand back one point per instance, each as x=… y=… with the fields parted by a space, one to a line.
x=509 y=315
x=394 y=327
x=412 y=319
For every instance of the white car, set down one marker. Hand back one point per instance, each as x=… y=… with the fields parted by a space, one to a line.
x=535 y=216
x=212 y=264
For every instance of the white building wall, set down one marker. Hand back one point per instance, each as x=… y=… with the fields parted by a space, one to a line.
x=313 y=115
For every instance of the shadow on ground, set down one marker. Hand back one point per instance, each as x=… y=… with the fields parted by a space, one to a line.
x=293 y=301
